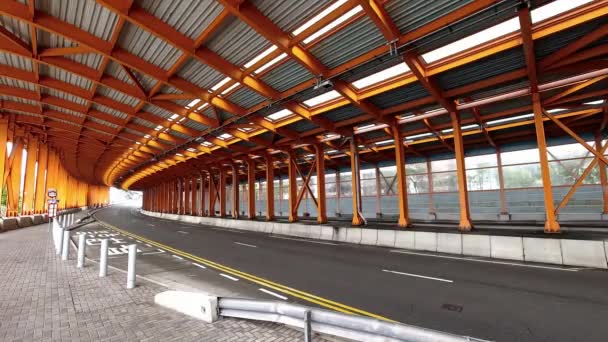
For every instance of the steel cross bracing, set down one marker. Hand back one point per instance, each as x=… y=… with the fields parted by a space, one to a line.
x=100 y=146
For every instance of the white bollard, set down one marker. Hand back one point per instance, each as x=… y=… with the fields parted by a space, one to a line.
x=65 y=251
x=103 y=258
x=60 y=241
x=131 y=266
x=81 y=247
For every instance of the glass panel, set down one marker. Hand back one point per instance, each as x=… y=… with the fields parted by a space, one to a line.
x=443 y=165
x=368 y=174
x=445 y=181
x=522 y=176
x=368 y=187
x=384 y=186
x=416 y=168
x=389 y=171
x=482 y=179
x=566 y=172
x=569 y=151
x=417 y=184
x=485 y=160
x=520 y=157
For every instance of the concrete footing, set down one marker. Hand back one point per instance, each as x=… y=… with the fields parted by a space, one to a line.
x=25 y=221
x=587 y=253
x=9 y=223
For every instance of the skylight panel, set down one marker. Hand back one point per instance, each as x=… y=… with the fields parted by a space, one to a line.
x=158 y=128
x=416 y=136
x=207 y=143
x=173 y=117
x=229 y=89
x=512 y=118
x=271 y=63
x=191 y=149
x=384 y=142
x=318 y=17
x=555 y=110
x=473 y=40
x=555 y=8
x=317 y=100
x=179 y=154
x=381 y=76
x=333 y=24
x=225 y=136
x=220 y=84
x=260 y=56
x=279 y=115
x=202 y=106
x=464 y=128
x=193 y=103
x=594 y=102
x=147 y=136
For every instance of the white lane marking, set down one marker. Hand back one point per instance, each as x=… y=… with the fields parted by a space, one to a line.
x=178 y=257
x=245 y=244
x=138 y=241
x=229 y=277
x=227 y=230
x=198 y=265
x=419 y=276
x=160 y=250
x=183 y=232
x=302 y=240
x=273 y=294
x=150 y=253
x=490 y=261
x=148 y=245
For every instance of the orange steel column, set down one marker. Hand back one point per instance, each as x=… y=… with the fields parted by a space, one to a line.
x=551 y=224
x=193 y=195
x=321 y=198
x=223 y=199
x=40 y=196
x=212 y=194
x=463 y=193
x=358 y=218
x=29 y=186
x=14 y=178
x=404 y=219
x=201 y=195
x=501 y=183
x=603 y=178
x=177 y=198
x=3 y=150
x=187 y=196
x=269 y=187
x=235 y=191
x=293 y=187
x=251 y=188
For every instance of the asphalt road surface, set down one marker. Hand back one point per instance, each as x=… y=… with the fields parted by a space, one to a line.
x=478 y=297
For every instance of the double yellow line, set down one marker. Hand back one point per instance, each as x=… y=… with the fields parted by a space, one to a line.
x=255 y=279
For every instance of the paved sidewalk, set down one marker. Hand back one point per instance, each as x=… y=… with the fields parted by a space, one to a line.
x=45 y=299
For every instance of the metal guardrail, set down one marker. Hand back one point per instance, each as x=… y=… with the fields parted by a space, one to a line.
x=357 y=328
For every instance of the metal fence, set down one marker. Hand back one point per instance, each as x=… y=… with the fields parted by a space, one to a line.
x=357 y=328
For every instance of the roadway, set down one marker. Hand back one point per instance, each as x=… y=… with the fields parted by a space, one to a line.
x=469 y=296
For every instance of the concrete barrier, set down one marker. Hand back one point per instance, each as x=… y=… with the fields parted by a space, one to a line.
x=9 y=223
x=555 y=251
x=353 y=235
x=449 y=243
x=425 y=241
x=38 y=219
x=369 y=236
x=386 y=238
x=25 y=221
x=507 y=247
x=197 y=305
x=476 y=245
x=405 y=239
x=543 y=250
x=584 y=253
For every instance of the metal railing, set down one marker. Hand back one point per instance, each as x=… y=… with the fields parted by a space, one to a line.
x=357 y=328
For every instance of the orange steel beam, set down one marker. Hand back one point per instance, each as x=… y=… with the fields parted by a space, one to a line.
x=293 y=186
x=187 y=196
x=404 y=220
x=501 y=182
x=13 y=180
x=29 y=186
x=602 y=172
x=358 y=218
x=3 y=151
x=376 y=12
x=222 y=191
x=235 y=191
x=574 y=89
x=194 y=194
x=251 y=188
x=576 y=45
x=51 y=52
x=430 y=127
x=321 y=197
x=583 y=176
x=305 y=186
x=270 y=187
x=463 y=193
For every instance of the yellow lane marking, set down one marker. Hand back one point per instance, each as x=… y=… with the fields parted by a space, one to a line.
x=255 y=279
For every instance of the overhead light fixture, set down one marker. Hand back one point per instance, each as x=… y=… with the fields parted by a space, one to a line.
x=324 y=84
x=509 y=119
x=279 y=115
x=594 y=102
x=323 y=98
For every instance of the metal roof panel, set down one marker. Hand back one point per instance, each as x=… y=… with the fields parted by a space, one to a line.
x=15 y=61
x=288 y=15
x=286 y=75
x=87 y=15
x=236 y=42
x=200 y=74
x=245 y=97
x=147 y=46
